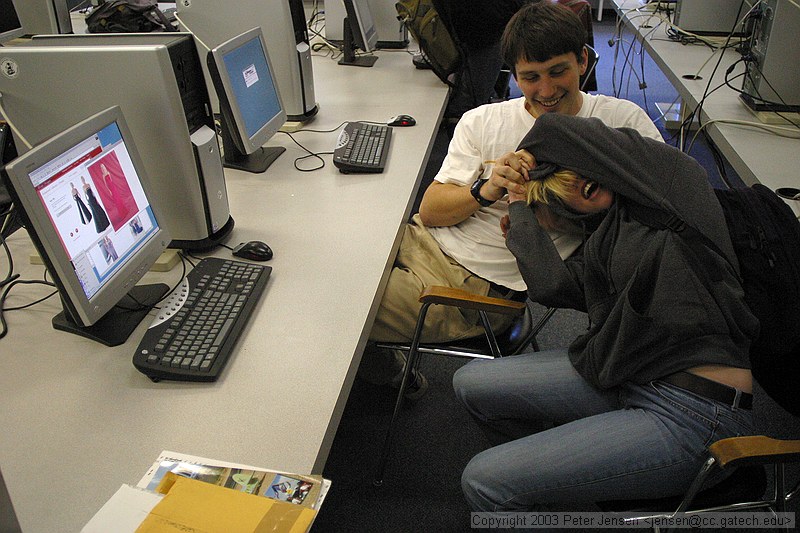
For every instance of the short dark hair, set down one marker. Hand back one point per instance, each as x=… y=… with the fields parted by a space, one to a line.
x=540 y=31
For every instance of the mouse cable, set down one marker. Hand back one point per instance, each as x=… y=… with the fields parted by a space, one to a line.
x=4 y=295
x=10 y=276
x=772 y=104
x=309 y=152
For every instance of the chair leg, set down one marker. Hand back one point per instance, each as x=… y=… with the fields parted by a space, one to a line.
x=695 y=487
x=535 y=331
x=490 y=338
x=407 y=370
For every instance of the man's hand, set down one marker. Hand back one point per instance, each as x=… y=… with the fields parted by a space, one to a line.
x=510 y=173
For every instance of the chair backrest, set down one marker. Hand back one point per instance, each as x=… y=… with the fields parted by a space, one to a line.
x=588 y=77
x=583 y=9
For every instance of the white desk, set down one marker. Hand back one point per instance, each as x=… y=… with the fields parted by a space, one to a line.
x=77 y=420
x=756 y=155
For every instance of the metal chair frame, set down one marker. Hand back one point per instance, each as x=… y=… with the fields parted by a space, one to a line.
x=447 y=296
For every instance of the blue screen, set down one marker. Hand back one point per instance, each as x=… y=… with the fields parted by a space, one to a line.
x=252 y=84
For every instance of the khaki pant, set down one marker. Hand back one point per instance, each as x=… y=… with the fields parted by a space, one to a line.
x=421 y=263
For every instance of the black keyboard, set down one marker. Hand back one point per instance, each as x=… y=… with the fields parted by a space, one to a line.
x=192 y=336
x=362 y=147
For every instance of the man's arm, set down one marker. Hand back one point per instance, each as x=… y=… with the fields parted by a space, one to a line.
x=447 y=204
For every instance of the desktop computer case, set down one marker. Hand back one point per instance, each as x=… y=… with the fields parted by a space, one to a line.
x=43 y=16
x=156 y=79
x=773 y=74
x=391 y=31
x=283 y=25
x=708 y=17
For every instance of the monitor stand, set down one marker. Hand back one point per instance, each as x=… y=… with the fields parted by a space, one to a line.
x=118 y=324
x=257 y=162
x=349 y=51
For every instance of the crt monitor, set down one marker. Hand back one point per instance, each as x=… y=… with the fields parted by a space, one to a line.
x=85 y=198
x=250 y=104
x=10 y=25
x=359 y=32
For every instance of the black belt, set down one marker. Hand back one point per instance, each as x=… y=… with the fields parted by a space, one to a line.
x=509 y=294
x=710 y=389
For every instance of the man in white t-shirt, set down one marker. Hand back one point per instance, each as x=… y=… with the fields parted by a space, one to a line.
x=456 y=239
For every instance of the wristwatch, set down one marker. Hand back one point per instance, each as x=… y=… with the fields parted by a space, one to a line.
x=475 y=189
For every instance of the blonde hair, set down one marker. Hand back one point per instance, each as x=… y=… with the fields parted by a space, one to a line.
x=558 y=185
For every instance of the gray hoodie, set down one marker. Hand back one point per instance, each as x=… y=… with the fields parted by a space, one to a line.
x=650 y=314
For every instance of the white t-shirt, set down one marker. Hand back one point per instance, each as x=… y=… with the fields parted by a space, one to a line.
x=485 y=133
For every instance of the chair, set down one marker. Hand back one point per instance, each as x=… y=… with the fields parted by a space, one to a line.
x=588 y=81
x=510 y=342
x=743 y=489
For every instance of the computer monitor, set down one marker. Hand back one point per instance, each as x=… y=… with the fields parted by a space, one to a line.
x=250 y=104
x=10 y=25
x=358 y=33
x=86 y=201
x=44 y=16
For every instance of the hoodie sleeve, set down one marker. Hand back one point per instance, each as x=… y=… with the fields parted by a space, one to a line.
x=551 y=281
x=641 y=169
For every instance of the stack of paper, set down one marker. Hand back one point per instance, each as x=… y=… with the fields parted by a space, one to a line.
x=188 y=493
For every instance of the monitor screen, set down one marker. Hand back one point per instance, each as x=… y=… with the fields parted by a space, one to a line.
x=359 y=32
x=10 y=26
x=84 y=195
x=250 y=104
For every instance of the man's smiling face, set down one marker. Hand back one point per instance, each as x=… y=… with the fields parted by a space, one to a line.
x=552 y=86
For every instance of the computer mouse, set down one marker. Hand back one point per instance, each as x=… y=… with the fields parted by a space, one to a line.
x=254 y=251
x=402 y=120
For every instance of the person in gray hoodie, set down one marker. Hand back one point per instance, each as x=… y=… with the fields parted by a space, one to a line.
x=663 y=369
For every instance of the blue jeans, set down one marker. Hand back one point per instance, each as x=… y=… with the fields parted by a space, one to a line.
x=630 y=442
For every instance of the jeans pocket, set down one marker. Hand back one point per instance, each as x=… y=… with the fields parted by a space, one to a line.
x=696 y=412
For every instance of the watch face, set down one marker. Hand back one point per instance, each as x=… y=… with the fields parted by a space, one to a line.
x=476 y=193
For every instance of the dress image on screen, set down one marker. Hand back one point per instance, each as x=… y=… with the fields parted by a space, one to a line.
x=359 y=32
x=115 y=193
x=95 y=263
x=250 y=103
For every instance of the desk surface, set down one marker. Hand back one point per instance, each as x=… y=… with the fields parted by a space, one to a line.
x=756 y=155
x=78 y=420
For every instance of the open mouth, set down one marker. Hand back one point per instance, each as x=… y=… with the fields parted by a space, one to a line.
x=589 y=188
x=549 y=103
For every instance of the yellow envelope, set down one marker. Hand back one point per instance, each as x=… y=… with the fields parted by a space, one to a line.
x=192 y=506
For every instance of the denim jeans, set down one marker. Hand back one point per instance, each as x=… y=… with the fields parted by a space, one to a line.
x=633 y=441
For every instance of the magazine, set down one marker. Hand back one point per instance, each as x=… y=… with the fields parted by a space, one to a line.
x=300 y=489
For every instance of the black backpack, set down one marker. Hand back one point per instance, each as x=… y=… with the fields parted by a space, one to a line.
x=128 y=16
x=766 y=238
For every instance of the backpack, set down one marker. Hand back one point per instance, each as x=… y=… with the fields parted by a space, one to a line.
x=766 y=238
x=434 y=39
x=127 y=16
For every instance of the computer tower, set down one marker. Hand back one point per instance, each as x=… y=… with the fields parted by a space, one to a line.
x=391 y=31
x=772 y=72
x=283 y=25
x=709 y=17
x=44 y=16
x=156 y=79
